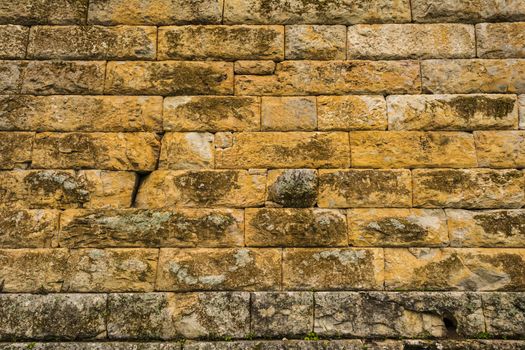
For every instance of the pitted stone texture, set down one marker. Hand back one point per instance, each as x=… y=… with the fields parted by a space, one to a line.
x=309 y=227
x=169 y=78
x=463 y=344
x=488 y=228
x=473 y=76
x=254 y=67
x=412 y=315
x=66 y=189
x=397 y=227
x=16 y=149
x=11 y=75
x=288 y=113
x=505 y=314
x=52 y=316
x=467 y=11
x=468 y=188
x=111 y=270
x=81 y=113
x=500 y=149
x=13 y=41
x=351 y=113
x=190 y=150
x=228 y=43
x=26 y=228
x=334 y=78
x=154 y=12
x=292 y=188
x=412 y=149
x=202 y=188
x=285 y=150
x=151 y=228
x=476 y=269
x=501 y=40
x=106 y=151
x=315 y=42
x=219 y=269
x=285 y=314
x=452 y=112
x=211 y=113
x=332 y=269
x=347 y=344
x=399 y=41
x=365 y=188
x=324 y=11
x=33 y=270
x=44 y=11
x=92 y=42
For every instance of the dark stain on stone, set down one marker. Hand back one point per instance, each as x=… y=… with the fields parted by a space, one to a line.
x=295 y=188
x=448 y=180
x=507 y=223
x=436 y=275
x=512 y=264
x=213 y=109
x=207 y=187
x=57 y=183
x=468 y=106
x=397 y=229
x=316 y=147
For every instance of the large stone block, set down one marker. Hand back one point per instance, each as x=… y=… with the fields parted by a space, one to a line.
x=288 y=113
x=505 y=314
x=351 y=113
x=16 y=149
x=500 y=149
x=315 y=42
x=292 y=188
x=500 y=40
x=26 y=228
x=13 y=41
x=44 y=11
x=187 y=150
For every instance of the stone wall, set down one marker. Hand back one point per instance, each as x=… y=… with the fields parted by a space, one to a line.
x=262 y=174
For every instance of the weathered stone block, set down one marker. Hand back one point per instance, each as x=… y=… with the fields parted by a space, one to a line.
x=399 y=41
x=365 y=188
x=452 y=112
x=521 y=102
x=228 y=43
x=282 y=314
x=16 y=149
x=463 y=344
x=107 y=151
x=412 y=314
x=23 y=228
x=500 y=149
x=202 y=188
x=52 y=316
x=92 y=346
x=285 y=150
x=288 y=113
x=285 y=344
x=334 y=78
x=468 y=188
x=254 y=67
x=397 y=227
x=327 y=12
x=13 y=41
x=81 y=113
x=189 y=150
x=295 y=227
x=315 y=42
x=482 y=269
x=467 y=11
x=332 y=269
x=412 y=149
x=92 y=42
x=111 y=270
x=11 y=74
x=473 y=76
x=219 y=269
x=169 y=78
x=351 y=113
x=151 y=228
x=488 y=228
x=44 y=11
x=33 y=270
x=293 y=188
x=66 y=189
x=155 y=12
x=500 y=40
x=63 y=77
x=211 y=113
x=504 y=314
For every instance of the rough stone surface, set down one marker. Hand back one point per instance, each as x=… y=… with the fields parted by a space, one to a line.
x=500 y=149
x=26 y=228
x=191 y=150
x=351 y=113
x=504 y=314
x=16 y=149
x=315 y=42
x=522 y=111
x=44 y=11
x=254 y=67
x=288 y=113
x=292 y=188
x=500 y=40
x=13 y=41
x=452 y=112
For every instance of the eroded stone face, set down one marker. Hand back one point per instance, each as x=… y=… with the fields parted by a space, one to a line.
x=13 y=41
x=221 y=43
x=504 y=314
x=288 y=113
x=315 y=42
x=397 y=227
x=364 y=188
x=25 y=228
x=191 y=150
x=500 y=40
x=455 y=269
x=258 y=67
x=333 y=344
x=292 y=188
x=16 y=149
x=332 y=269
x=211 y=113
x=219 y=269
x=151 y=228
x=416 y=314
x=295 y=227
x=452 y=112
x=202 y=188
x=500 y=149
x=44 y=12
x=351 y=113
x=468 y=188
